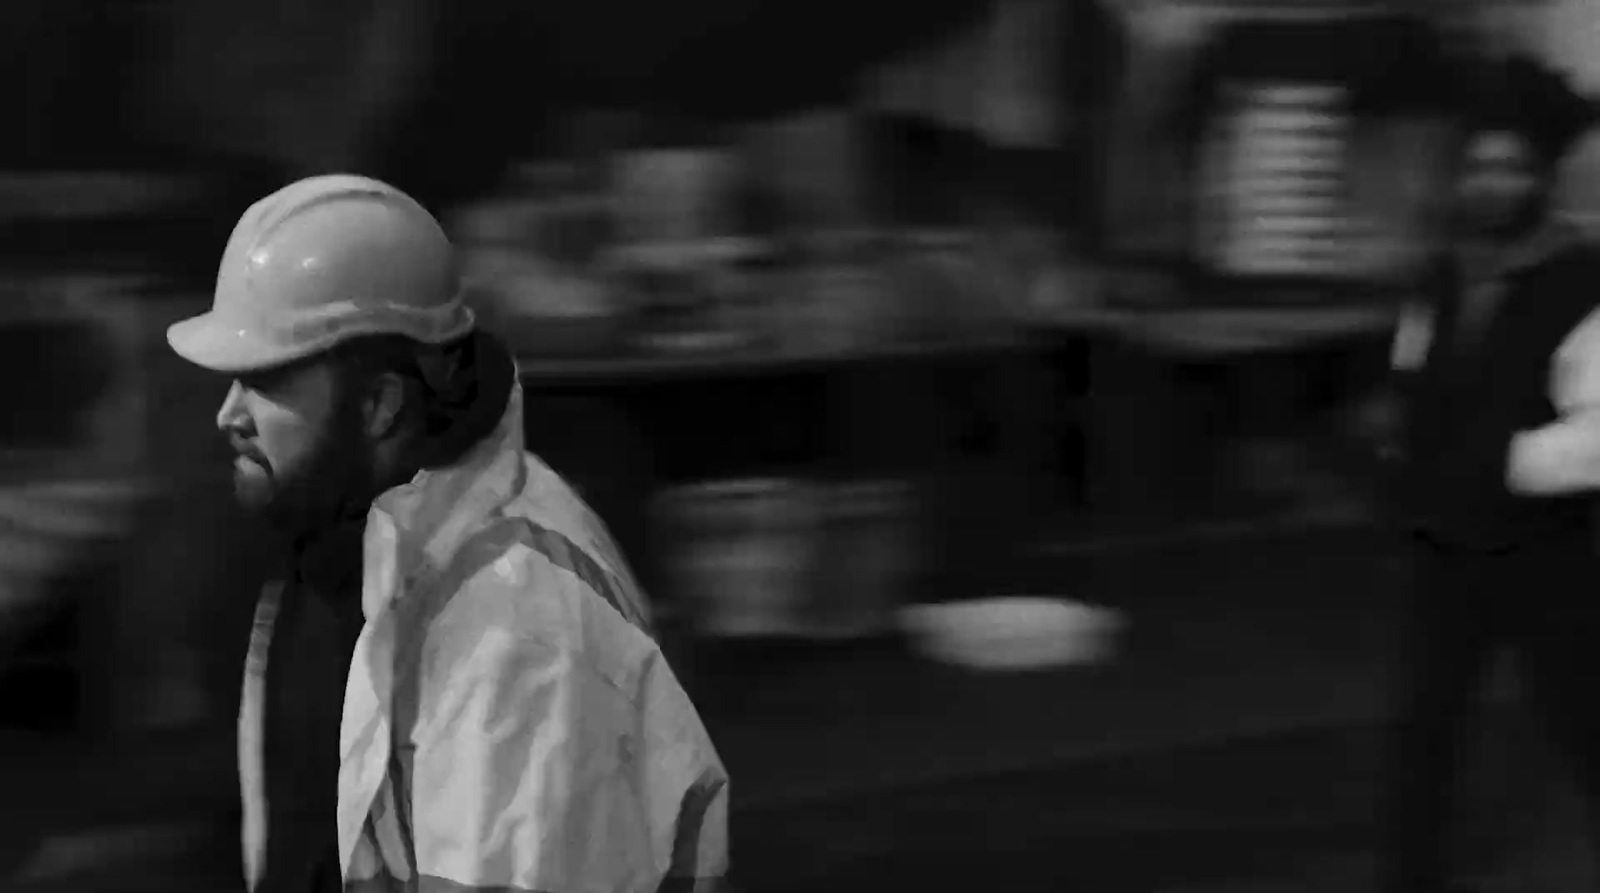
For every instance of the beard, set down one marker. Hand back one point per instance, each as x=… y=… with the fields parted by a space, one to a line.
x=329 y=483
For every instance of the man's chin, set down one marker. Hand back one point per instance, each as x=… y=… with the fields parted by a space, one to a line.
x=252 y=497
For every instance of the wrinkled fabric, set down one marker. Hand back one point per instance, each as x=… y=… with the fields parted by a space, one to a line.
x=509 y=722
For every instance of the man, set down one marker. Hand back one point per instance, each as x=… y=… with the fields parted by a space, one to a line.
x=1503 y=452
x=454 y=687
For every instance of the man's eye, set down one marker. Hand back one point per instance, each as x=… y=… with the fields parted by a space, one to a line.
x=265 y=382
x=252 y=382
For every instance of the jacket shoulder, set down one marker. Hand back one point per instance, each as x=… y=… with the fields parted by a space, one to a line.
x=538 y=593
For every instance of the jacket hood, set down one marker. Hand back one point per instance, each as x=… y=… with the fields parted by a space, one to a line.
x=472 y=390
x=478 y=466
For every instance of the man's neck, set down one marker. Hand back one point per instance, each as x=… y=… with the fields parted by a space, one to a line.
x=329 y=561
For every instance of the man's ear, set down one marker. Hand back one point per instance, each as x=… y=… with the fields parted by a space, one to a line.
x=384 y=403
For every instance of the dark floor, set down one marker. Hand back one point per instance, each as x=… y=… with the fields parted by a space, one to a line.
x=1235 y=745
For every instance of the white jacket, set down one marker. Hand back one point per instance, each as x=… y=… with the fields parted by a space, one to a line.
x=509 y=722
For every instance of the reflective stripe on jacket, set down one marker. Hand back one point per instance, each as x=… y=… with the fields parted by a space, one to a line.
x=509 y=722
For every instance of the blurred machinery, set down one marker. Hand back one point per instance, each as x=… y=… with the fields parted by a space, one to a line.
x=72 y=430
x=656 y=259
x=788 y=558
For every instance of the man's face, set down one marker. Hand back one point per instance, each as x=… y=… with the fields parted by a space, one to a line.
x=1503 y=185
x=296 y=436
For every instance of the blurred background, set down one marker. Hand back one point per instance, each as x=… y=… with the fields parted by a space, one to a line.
x=977 y=385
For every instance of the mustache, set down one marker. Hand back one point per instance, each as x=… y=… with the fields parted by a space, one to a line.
x=241 y=448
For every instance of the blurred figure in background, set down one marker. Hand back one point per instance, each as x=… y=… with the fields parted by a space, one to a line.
x=455 y=684
x=1501 y=458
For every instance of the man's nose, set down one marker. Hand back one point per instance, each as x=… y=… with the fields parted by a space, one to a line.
x=231 y=417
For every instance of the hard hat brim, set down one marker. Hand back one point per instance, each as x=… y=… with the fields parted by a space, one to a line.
x=225 y=344
x=220 y=345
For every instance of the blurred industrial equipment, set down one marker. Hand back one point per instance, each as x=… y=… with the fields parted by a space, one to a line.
x=1014 y=633
x=739 y=554
x=788 y=558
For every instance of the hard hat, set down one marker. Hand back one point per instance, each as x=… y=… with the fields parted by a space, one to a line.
x=319 y=262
